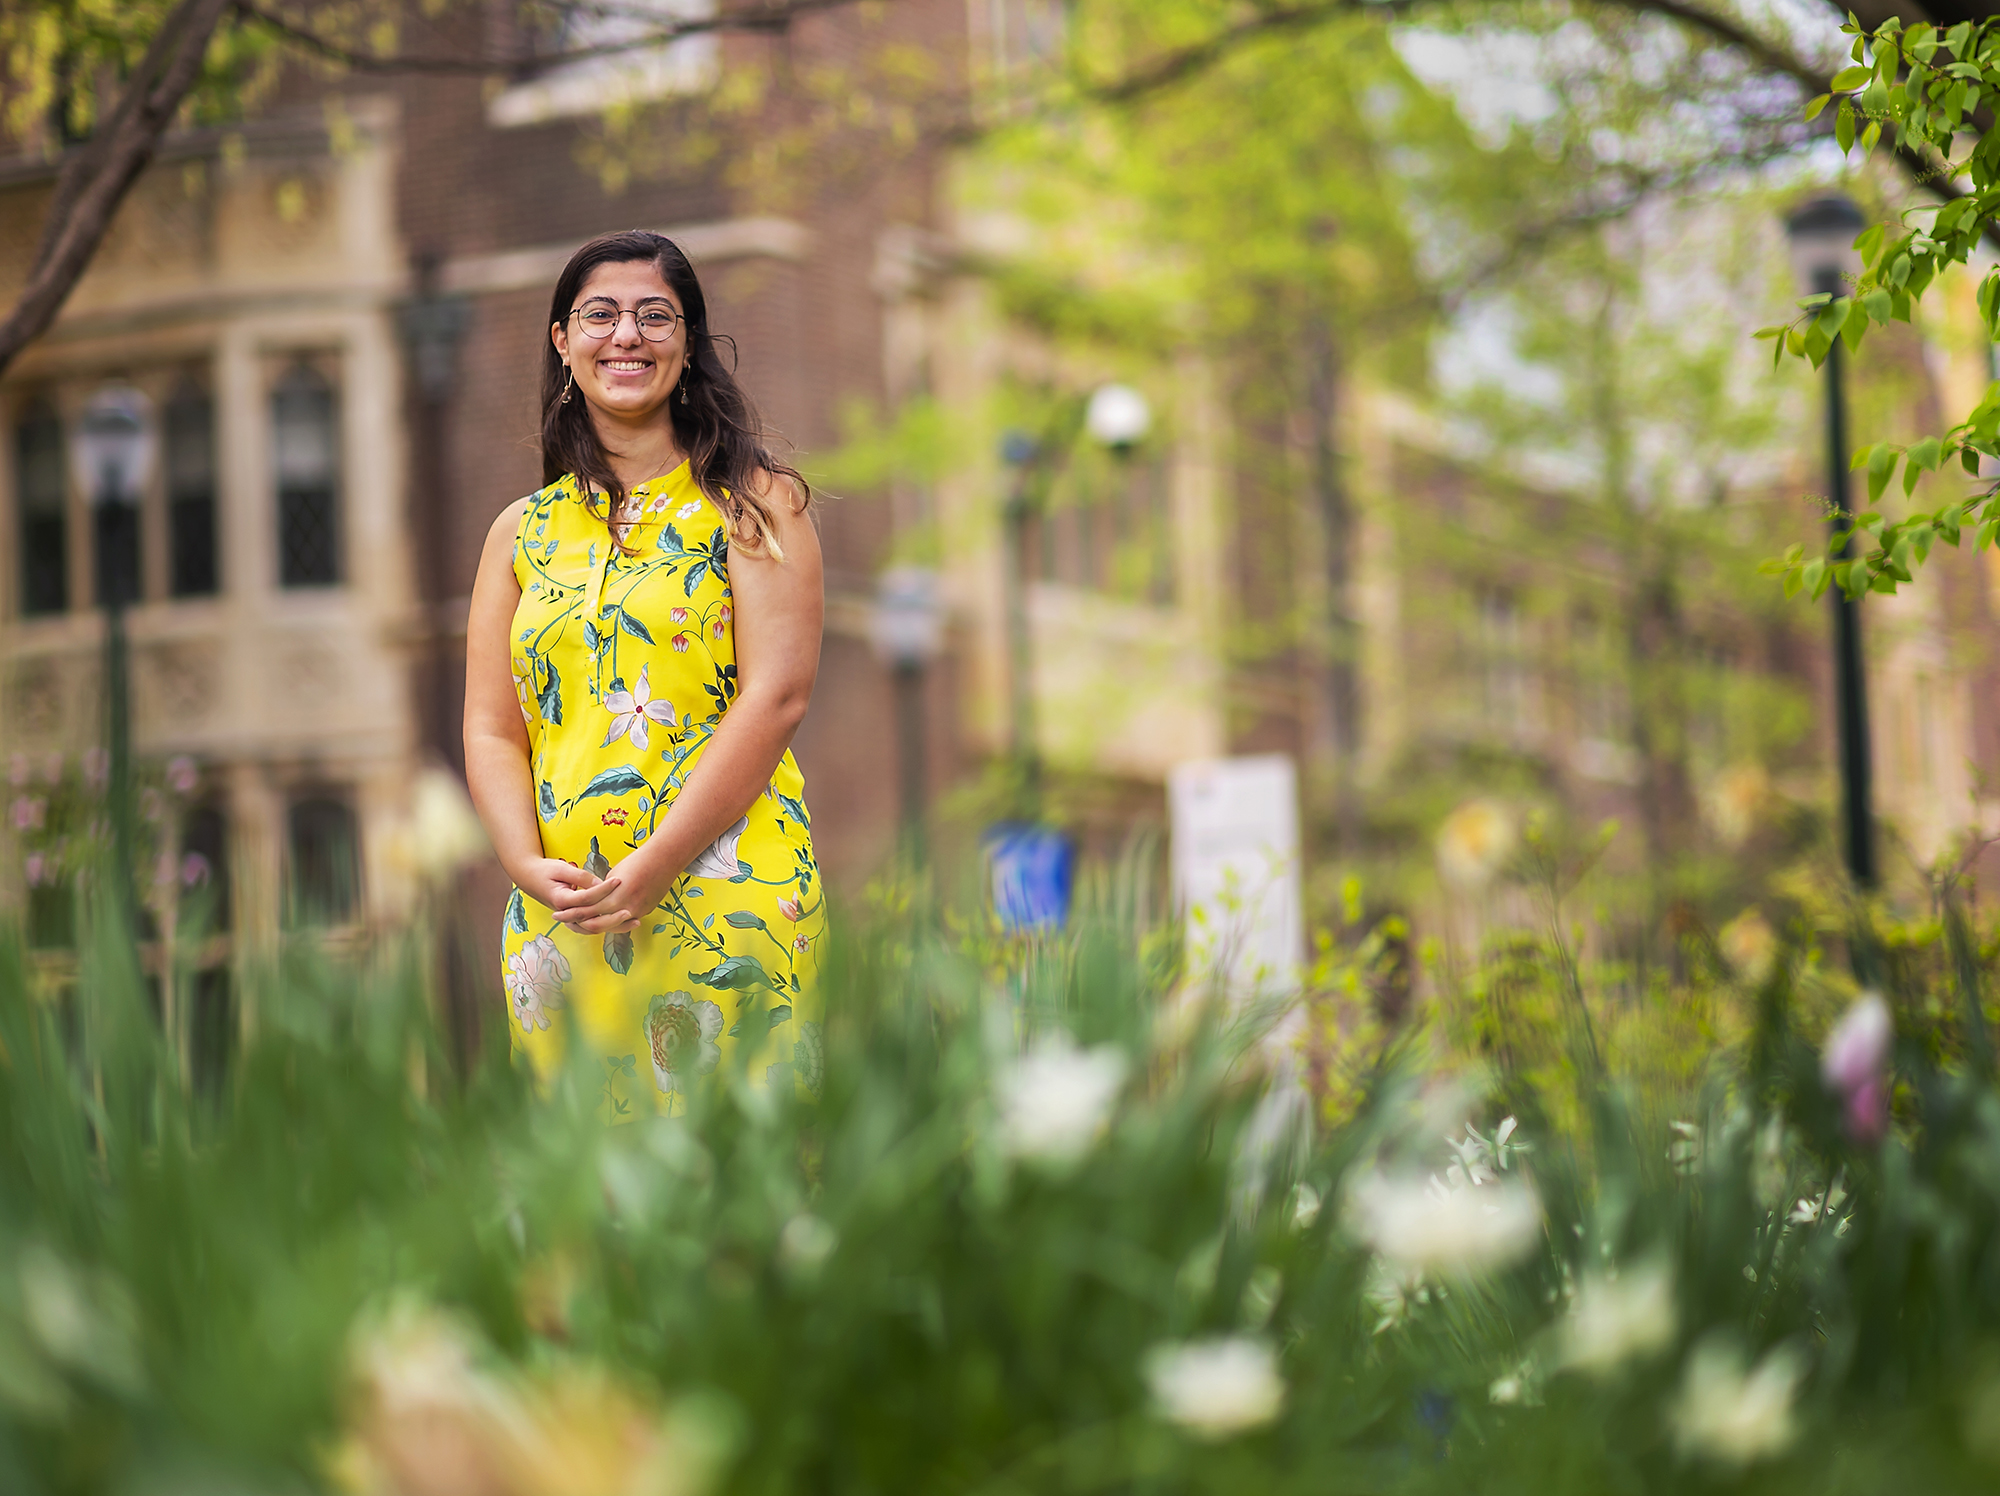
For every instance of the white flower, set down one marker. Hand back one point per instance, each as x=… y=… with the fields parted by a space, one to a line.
x=535 y=977
x=443 y=833
x=805 y=1242
x=1305 y=1206
x=681 y=1031
x=688 y=511
x=1056 y=1098
x=1430 y=1228
x=1731 y=1416
x=1616 y=1319
x=632 y=709
x=1215 y=1388
x=1858 y=1048
x=718 y=858
x=1474 y=841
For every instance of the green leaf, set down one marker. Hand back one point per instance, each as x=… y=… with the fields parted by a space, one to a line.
x=545 y=800
x=743 y=919
x=1817 y=299
x=1813 y=108
x=772 y=1017
x=1843 y=127
x=618 y=951
x=1925 y=454
x=621 y=780
x=1878 y=305
x=549 y=698
x=1849 y=78
x=1881 y=463
x=693 y=579
x=517 y=913
x=633 y=627
x=1870 y=137
x=735 y=974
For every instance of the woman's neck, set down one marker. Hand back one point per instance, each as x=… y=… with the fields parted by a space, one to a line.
x=641 y=451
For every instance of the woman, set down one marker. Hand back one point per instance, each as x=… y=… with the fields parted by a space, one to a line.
x=643 y=640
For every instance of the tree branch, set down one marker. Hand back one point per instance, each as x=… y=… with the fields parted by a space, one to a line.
x=94 y=181
x=769 y=17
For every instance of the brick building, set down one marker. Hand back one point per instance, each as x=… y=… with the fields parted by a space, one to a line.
x=335 y=310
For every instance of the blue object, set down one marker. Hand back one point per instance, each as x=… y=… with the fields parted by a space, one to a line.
x=1032 y=868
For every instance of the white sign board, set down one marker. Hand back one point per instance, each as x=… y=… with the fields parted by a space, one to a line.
x=1236 y=868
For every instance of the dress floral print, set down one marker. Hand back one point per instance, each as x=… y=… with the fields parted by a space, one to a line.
x=624 y=661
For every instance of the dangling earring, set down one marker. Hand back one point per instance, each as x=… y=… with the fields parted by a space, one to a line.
x=569 y=383
x=687 y=378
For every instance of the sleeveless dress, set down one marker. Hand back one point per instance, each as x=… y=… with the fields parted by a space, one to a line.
x=624 y=662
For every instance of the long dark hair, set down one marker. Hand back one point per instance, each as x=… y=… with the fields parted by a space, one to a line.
x=718 y=427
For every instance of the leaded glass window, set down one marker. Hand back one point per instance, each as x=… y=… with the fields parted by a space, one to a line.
x=304 y=435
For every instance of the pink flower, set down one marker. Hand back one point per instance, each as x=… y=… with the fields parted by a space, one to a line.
x=182 y=775
x=536 y=975
x=678 y=615
x=680 y=643
x=194 y=869
x=633 y=709
x=1867 y=1113
x=725 y=615
x=28 y=812
x=35 y=867
x=801 y=944
x=791 y=910
x=616 y=816
x=719 y=627
x=1855 y=1067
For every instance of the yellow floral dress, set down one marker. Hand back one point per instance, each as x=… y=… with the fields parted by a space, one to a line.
x=625 y=661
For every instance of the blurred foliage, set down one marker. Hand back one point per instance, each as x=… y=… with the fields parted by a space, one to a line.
x=1064 y=1222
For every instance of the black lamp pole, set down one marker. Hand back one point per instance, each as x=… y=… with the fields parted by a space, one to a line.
x=113 y=453
x=1822 y=232
x=117 y=588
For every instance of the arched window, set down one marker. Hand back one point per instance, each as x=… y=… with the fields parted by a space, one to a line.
x=323 y=882
x=188 y=427
x=41 y=501
x=304 y=440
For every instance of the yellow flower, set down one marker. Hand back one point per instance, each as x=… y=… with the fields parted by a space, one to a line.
x=1474 y=842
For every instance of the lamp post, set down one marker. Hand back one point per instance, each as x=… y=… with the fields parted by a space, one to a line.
x=908 y=628
x=112 y=455
x=1822 y=235
x=1117 y=418
x=1031 y=863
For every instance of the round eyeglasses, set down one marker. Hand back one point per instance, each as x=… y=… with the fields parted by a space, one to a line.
x=655 y=323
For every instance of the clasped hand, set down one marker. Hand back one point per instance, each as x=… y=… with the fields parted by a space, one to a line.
x=594 y=905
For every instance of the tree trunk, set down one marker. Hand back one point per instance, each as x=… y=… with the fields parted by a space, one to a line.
x=1336 y=521
x=97 y=175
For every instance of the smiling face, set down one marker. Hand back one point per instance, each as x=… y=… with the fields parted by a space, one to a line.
x=622 y=374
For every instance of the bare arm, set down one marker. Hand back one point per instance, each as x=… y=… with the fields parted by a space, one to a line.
x=497 y=770
x=780 y=610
